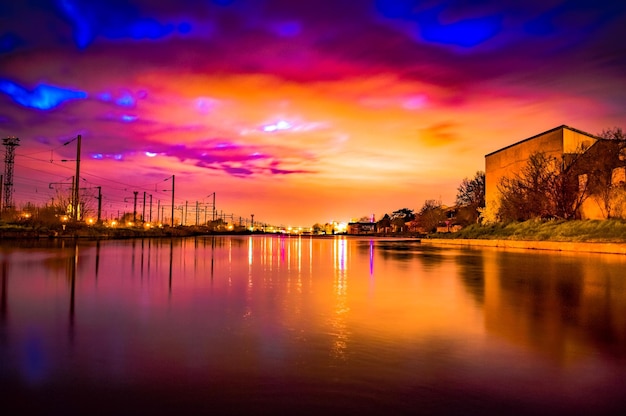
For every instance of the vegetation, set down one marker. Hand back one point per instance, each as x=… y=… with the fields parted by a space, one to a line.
x=549 y=187
x=430 y=215
x=612 y=230
x=470 y=199
x=541 y=202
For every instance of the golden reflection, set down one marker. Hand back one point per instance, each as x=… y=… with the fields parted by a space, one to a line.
x=299 y=284
x=269 y=248
x=338 y=322
x=289 y=255
x=310 y=256
x=340 y=253
x=230 y=262
x=250 y=251
x=371 y=258
x=559 y=306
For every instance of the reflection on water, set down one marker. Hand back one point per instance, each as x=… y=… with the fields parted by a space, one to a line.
x=338 y=321
x=371 y=326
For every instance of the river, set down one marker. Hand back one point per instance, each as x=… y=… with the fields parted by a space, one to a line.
x=282 y=325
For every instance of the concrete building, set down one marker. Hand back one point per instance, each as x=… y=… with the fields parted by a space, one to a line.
x=559 y=142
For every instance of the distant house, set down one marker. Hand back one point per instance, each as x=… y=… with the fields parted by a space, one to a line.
x=563 y=143
x=361 y=228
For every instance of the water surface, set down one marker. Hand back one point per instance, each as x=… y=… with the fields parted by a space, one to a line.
x=274 y=325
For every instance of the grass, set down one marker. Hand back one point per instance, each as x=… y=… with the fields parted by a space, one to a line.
x=550 y=230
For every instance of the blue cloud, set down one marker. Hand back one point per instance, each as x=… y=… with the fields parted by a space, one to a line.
x=396 y=9
x=466 y=33
x=114 y=19
x=43 y=97
x=223 y=2
x=9 y=42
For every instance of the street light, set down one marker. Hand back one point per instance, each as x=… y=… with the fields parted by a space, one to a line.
x=213 y=207
x=173 y=179
x=75 y=190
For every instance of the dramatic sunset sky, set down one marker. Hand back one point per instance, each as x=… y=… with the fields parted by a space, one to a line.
x=296 y=111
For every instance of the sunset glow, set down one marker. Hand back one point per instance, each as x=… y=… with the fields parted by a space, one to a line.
x=295 y=111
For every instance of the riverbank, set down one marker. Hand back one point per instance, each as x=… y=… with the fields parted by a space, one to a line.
x=581 y=247
x=95 y=232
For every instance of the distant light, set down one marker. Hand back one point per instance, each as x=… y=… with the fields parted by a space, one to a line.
x=283 y=125
x=118 y=157
x=150 y=154
x=97 y=156
x=280 y=125
x=128 y=118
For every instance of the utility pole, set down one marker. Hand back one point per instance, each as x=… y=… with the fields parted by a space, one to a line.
x=173 y=179
x=143 y=214
x=1 y=185
x=99 y=203
x=135 y=207
x=159 y=211
x=75 y=197
x=150 y=208
x=197 y=214
x=252 y=221
x=186 y=212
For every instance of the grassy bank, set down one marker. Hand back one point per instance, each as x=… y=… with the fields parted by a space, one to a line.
x=605 y=231
x=21 y=232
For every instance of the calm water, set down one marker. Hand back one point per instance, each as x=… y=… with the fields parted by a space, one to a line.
x=275 y=325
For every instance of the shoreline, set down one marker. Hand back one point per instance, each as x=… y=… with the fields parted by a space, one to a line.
x=569 y=246
x=125 y=233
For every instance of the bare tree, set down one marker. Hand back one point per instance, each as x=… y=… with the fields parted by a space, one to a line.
x=526 y=194
x=470 y=198
x=605 y=156
x=431 y=214
x=558 y=187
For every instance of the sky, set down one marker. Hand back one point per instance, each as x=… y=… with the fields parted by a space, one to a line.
x=295 y=111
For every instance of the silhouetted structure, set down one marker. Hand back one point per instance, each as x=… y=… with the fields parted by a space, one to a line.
x=10 y=143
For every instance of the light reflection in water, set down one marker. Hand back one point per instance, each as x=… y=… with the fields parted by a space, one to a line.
x=371 y=258
x=338 y=322
x=438 y=324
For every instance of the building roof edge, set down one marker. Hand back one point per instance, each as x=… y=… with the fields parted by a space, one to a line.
x=562 y=126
